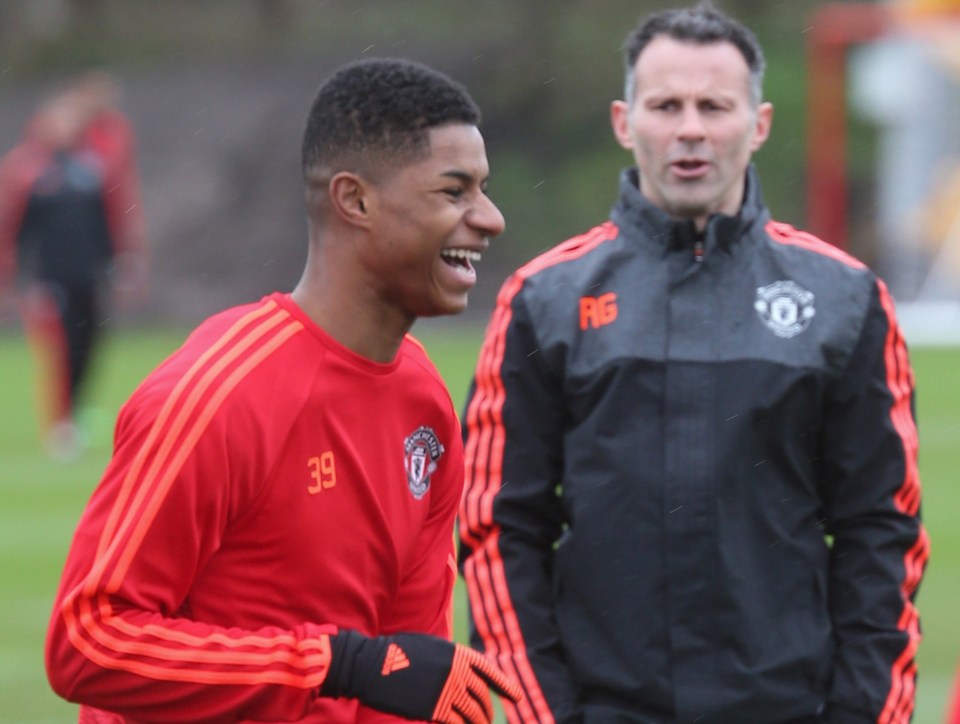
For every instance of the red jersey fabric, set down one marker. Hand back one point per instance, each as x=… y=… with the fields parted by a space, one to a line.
x=267 y=486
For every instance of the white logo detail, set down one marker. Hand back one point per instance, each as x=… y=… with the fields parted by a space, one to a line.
x=421 y=451
x=785 y=307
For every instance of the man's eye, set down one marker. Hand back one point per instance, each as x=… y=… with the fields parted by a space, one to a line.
x=454 y=192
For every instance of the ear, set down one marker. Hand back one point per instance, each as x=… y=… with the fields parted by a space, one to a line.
x=761 y=131
x=620 y=120
x=350 y=198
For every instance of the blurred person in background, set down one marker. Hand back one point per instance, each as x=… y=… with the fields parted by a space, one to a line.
x=273 y=539
x=692 y=490
x=71 y=233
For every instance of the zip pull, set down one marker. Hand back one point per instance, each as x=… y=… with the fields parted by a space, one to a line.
x=698 y=250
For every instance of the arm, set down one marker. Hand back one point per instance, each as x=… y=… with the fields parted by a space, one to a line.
x=872 y=501
x=122 y=638
x=511 y=514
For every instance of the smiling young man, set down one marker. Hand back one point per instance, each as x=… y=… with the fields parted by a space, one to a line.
x=692 y=490
x=272 y=540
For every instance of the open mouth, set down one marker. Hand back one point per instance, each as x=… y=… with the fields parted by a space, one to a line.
x=462 y=258
x=690 y=166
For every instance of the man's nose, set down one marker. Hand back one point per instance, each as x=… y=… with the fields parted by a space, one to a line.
x=691 y=124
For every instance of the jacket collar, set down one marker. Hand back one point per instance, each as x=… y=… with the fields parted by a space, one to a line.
x=634 y=213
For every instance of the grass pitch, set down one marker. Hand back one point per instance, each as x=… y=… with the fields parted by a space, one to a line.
x=40 y=502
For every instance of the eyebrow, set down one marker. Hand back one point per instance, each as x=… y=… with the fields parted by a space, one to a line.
x=466 y=178
x=460 y=175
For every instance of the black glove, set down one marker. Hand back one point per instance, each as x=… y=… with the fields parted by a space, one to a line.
x=416 y=676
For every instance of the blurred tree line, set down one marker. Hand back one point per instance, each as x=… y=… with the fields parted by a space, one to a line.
x=543 y=71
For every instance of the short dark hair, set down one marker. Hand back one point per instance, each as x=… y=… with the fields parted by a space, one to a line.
x=378 y=111
x=700 y=24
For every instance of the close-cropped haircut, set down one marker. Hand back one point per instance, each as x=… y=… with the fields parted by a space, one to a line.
x=377 y=113
x=701 y=24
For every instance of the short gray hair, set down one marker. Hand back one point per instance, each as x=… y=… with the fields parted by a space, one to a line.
x=701 y=24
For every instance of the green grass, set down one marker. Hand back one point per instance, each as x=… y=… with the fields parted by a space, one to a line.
x=40 y=502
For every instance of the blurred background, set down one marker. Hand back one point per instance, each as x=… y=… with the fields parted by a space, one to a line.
x=865 y=148
x=865 y=152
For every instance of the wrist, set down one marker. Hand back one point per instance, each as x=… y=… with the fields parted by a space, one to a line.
x=346 y=675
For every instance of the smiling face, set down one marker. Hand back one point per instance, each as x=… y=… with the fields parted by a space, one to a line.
x=691 y=126
x=431 y=220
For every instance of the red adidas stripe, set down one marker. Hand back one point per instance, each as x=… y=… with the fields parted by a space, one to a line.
x=487 y=586
x=152 y=649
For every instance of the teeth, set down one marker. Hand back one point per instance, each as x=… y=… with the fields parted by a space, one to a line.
x=461 y=254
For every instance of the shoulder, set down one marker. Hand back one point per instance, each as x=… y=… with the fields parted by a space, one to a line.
x=571 y=250
x=562 y=264
x=843 y=290
x=417 y=362
x=812 y=247
x=225 y=353
x=817 y=265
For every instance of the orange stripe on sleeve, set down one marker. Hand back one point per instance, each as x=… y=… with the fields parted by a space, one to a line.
x=190 y=432
x=160 y=424
x=183 y=419
x=306 y=679
x=899 y=704
x=786 y=234
x=487 y=586
x=161 y=441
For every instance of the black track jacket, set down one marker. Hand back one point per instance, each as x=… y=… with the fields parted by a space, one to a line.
x=692 y=490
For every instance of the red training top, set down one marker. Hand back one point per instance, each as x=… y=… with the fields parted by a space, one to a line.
x=267 y=485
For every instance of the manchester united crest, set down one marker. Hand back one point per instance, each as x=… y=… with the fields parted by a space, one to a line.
x=421 y=452
x=785 y=307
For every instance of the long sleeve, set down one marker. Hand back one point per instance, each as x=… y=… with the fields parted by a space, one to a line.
x=511 y=515
x=249 y=512
x=122 y=636
x=879 y=546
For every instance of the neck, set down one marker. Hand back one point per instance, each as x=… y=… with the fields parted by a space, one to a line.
x=359 y=324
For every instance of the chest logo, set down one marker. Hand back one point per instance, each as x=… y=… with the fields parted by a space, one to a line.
x=421 y=452
x=785 y=307
x=598 y=311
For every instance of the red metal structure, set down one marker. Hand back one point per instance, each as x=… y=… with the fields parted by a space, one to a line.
x=835 y=28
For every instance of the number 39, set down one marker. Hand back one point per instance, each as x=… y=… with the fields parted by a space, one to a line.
x=323 y=470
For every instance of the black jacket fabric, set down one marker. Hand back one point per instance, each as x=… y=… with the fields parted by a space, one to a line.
x=692 y=490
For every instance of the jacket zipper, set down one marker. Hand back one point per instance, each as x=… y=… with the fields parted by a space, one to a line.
x=698 y=251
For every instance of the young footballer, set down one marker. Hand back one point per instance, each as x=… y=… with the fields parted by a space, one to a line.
x=273 y=538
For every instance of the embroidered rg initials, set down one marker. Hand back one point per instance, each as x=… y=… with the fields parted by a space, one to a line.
x=598 y=311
